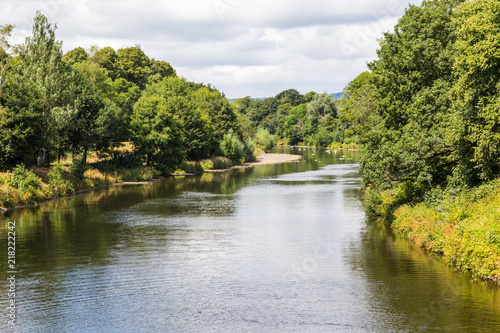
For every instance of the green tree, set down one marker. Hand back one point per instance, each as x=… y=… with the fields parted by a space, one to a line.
x=5 y=46
x=214 y=107
x=291 y=96
x=359 y=109
x=107 y=59
x=75 y=56
x=158 y=137
x=159 y=70
x=475 y=130
x=322 y=106
x=38 y=84
x=412 y=78
x=133 y=66
x=85 y=133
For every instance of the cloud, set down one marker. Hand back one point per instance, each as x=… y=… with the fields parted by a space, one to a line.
x=243 y=47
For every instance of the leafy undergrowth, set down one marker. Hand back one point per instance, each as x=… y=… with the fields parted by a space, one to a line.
x=464 y=228
x=25 y=186
x=215 y=163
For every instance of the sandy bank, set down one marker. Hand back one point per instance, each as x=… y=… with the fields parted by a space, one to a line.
x=267 y=159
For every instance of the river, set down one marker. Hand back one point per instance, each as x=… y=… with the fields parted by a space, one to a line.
x=283 y=248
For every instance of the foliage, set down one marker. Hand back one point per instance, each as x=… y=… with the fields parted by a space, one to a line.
x=158 y=137
x=24 y=180
x=57 y=184
x=36 y=84
x=463 y=227
x=231 y=147
x=408 y=94
x=264 y=140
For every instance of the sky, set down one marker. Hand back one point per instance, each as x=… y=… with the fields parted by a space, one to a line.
x=254 y=48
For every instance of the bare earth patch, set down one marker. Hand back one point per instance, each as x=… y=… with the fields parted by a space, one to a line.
x=266 y=159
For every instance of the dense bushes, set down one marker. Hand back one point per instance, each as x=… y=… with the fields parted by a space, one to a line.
x=264 y=140
x=235 y=150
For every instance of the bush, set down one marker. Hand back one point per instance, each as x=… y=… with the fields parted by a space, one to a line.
x=57 y=184
x=231 y=147
x=249 y=150
x=24 y=180
x=264 y=140
x=221 y=163
x=189 y=167
x=78 y=169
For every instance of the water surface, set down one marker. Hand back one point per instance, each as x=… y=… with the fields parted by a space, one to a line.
x=282 y=248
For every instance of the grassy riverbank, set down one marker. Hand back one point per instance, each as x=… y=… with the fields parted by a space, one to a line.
x=462 y=227
x=24 y=186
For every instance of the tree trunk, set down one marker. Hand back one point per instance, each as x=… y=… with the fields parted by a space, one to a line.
x=41 y=157
x=84 y=157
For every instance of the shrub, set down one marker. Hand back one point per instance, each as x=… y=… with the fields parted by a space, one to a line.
x=249 y=150
x=189 y=167
x=231 y=147
x=264 y=140
x=78 y=169
x=221 y=163
x=207 y=164
x=57 y=184
x=24 y=180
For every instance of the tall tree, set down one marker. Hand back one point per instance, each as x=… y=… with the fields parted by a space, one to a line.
x=133 y=66
x=157 y=131
x=107 y=59
x=412 y=78
x=475 y=130
x=38 y=86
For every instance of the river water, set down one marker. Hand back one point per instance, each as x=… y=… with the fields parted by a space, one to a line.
x=283 y=248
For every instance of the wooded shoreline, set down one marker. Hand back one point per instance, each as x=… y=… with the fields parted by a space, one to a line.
x=264 y=159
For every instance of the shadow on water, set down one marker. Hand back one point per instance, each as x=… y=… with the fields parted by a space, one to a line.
x=234 y=251
x=419 y=289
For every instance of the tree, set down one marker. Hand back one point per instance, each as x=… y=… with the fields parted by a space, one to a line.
x=160 y=70
x=217 y=110
x=5 y=46
x=133 y=66
x=359 y=109
x=291 y=96
x=294 y=124
x=157 y=130
x=321 y=106
x=475 y=130
x=85 y=133
x=107 y=59
x=412 y=78
x=75 y=56
x=39 y=84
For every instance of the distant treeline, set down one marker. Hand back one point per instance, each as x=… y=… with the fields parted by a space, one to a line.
x=85 y=100
x=53 y=104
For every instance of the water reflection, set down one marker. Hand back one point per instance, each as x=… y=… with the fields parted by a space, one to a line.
x=273 y=249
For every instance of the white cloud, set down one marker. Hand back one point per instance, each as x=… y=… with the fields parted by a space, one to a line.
x=242 y=47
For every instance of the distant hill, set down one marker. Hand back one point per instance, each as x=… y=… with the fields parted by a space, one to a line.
x=336 y=96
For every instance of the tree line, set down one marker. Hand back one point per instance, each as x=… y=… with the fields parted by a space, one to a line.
x=428 y=111
x=52 y=104
x=312 y=119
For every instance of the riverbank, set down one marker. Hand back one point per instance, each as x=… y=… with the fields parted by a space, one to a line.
x=463 y=228
x=40 y=186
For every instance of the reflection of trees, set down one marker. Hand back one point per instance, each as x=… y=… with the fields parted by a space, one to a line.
x=80 y=228
x=416 y=289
